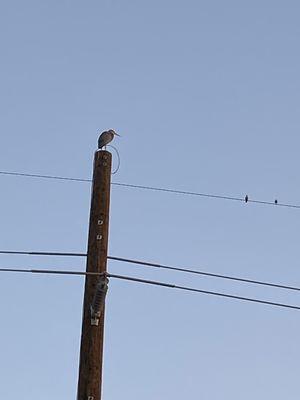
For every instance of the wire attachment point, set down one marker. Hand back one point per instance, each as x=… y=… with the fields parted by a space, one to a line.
x=98 y=303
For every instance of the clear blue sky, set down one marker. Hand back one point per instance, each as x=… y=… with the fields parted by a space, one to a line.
x=206 y=97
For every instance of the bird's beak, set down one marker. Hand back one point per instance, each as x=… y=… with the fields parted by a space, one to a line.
x=117 y=134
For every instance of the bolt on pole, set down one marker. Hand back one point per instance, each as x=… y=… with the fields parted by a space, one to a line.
x=92 y=336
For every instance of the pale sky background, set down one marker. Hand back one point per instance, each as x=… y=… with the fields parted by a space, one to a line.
x=206 y=97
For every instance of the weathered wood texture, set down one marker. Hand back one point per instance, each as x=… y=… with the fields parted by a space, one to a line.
x=91 y=351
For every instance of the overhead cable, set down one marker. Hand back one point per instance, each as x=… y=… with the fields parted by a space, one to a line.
x=245 y=199
x=189 y=289
x=161 y=266
x=50 y=271
x=154 y=283
x=43 y=253
x=61 y=178
x=204 y=273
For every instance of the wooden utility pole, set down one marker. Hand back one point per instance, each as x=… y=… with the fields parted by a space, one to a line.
x=91 y=351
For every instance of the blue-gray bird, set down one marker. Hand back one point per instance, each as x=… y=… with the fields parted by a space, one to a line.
x=106 y=137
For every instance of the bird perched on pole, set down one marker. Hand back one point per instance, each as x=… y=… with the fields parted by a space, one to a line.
x=106 y=137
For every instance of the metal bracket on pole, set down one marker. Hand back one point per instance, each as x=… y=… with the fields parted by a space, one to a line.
x=97 y=305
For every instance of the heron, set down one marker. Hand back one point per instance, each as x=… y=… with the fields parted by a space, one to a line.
x=106 y=137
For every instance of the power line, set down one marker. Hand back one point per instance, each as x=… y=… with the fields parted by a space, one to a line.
x=62 y=178
x=175 y=191
x=189 y=289
x=204 y=273
x=209 y=195
x=161 y=266
x=150 y=282
x=49 y=271
x=43 y=253
x=160 y=189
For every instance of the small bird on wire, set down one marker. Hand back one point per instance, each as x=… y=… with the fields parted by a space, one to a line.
x=106 y=137
x=246 y=198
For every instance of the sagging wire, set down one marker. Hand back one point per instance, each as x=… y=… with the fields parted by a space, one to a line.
x=118 y=157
